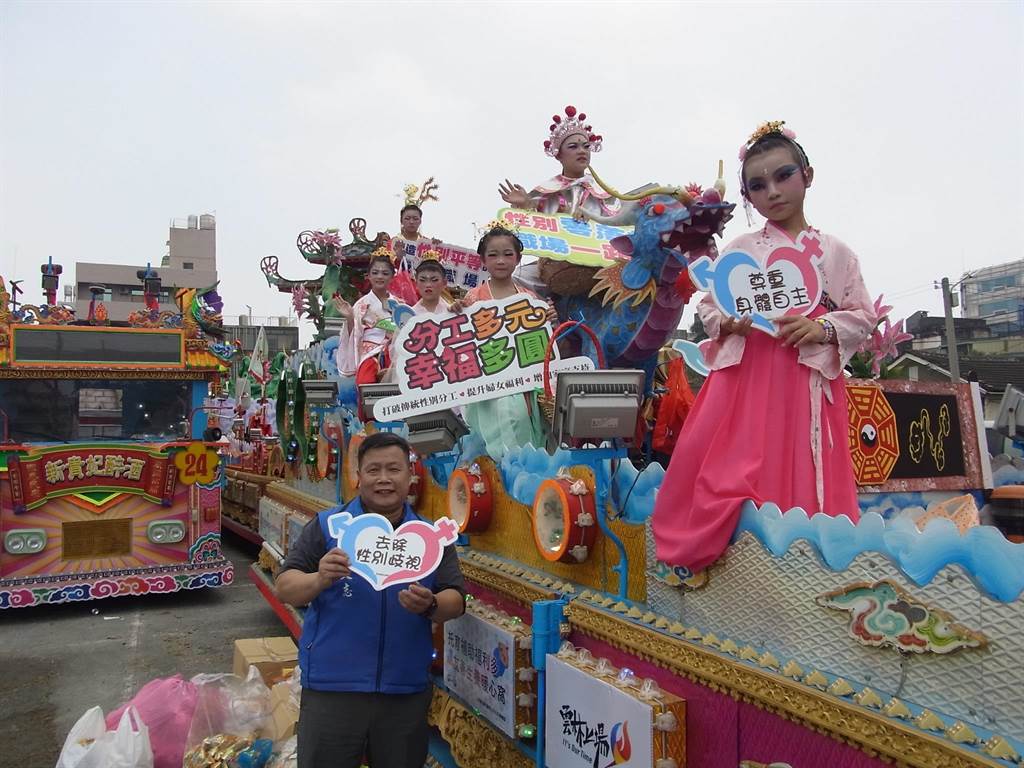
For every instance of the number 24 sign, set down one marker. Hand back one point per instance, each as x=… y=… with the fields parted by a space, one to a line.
x=198 y=464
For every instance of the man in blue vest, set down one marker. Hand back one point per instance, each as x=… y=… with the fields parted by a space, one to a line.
x=365 y=655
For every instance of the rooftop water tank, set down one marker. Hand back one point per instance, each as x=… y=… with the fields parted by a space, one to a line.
x=193 y=221
x=207 y=221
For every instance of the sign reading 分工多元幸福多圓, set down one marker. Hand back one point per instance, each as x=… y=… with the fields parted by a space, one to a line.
x=491 y=349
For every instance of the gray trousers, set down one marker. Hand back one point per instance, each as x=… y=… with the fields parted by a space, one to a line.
x=337 y=729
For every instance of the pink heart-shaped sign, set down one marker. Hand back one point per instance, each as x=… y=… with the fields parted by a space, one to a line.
x=786 y=282
x=384 y=556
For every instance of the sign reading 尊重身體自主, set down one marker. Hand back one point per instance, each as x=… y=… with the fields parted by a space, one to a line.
x=787 y=282
x=479 y=667
x=491 y=349
x=560 y=237
x=50 y=472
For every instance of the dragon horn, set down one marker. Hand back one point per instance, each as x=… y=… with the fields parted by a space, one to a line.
x=720 y=181
x=677 y=192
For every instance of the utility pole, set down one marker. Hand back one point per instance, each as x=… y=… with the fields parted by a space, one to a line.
x=954 y=356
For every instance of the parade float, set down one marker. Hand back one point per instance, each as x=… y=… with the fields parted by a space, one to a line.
x=811 y=641
x=110 y=480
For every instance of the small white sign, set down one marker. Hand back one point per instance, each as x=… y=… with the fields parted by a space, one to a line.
x=479 y=667
x=590 y=722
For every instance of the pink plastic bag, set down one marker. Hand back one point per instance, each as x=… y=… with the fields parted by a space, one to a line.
x=403 y=286
x=166 y=706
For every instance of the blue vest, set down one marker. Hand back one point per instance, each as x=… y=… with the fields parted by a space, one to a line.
x=357 y=639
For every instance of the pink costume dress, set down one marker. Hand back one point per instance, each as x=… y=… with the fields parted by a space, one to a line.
x=366 y=339
x=563 y=194
x=770 y=422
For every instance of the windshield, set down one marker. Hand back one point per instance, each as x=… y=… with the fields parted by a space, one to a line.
x=66 y=410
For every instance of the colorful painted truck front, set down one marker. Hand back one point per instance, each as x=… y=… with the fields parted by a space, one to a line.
x=107 y=486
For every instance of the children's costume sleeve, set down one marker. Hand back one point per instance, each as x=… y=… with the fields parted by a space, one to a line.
x=726 y=351
x=711 y=317
x=350 y=340
x=853 y=320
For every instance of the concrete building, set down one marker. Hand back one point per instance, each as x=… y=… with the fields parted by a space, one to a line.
x=191 y=262
x=282 y=336
x=930 y=331
x=996 y=294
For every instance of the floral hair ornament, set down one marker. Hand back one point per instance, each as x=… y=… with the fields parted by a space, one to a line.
x=563 y=127
x=765 y=129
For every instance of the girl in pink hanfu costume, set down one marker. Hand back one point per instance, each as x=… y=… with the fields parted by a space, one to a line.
x=369 y=326
x=770 y=423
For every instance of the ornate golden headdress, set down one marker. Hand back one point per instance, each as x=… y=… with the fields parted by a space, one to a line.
x=414 y=195
x=766 y=129
x=563 y=127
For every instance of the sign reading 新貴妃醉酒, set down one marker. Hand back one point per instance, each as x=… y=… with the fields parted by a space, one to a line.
x=479 y=667
x=49 y=472
x=491 y=349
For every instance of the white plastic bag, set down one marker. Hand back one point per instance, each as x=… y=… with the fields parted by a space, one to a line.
x=90 y=745
x=81 y=738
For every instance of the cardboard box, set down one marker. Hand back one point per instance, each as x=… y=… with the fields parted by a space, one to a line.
x=274 y=657
x=284 y=713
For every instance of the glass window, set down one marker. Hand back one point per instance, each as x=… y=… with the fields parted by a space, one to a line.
x=997 y=307
x=59 y=410
x=992 y=283
x=187 y=265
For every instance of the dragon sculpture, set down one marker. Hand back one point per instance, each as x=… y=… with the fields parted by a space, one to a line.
x=636 y=304
x=344 y=273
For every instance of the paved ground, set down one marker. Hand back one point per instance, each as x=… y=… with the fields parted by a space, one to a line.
x=57 y=661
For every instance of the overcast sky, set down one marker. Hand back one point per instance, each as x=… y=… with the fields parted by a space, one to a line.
x=116 y=117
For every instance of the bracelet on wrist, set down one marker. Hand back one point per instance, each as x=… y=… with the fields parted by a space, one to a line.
x=830 y=330
x=431 y=609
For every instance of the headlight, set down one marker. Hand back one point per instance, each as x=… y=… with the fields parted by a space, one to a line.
x=25 y=541
x=165 y=531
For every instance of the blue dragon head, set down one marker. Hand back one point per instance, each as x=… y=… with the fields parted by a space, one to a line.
x=666 y=228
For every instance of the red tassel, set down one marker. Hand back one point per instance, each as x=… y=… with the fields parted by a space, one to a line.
x=685 y=287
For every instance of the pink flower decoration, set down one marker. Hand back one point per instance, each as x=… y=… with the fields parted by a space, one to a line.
x=881 y=310
x=789 y=134
x=743 y=153
x=299 y=294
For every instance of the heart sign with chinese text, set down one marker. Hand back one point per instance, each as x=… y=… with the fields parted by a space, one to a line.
x=787 y=282
x=385 y=556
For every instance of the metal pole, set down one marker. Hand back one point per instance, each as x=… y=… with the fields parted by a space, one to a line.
x=954 y=357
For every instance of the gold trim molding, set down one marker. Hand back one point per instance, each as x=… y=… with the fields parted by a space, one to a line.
x=524 y=593
x=873 y=733
x=473 y=743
